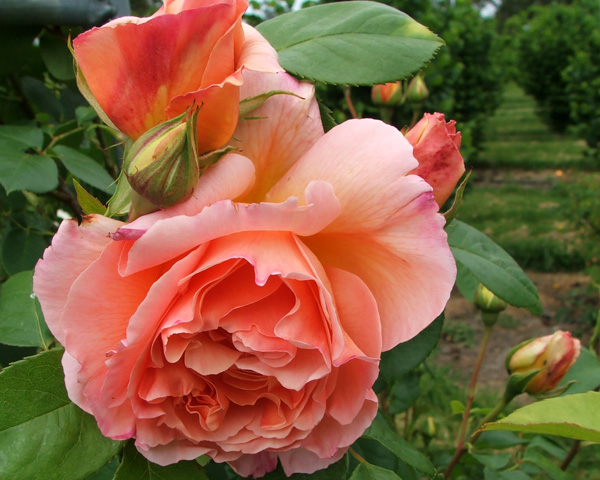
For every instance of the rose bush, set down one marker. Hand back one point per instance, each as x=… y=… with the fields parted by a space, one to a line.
x=247 y=322
x=140 y=72
x=437 y=145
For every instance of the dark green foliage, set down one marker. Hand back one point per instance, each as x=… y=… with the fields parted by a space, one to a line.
x=548 y=38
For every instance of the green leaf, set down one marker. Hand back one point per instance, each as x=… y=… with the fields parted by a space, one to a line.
x=493 y=460
x=20 y=137
x=56 y=57
x=107 y=472
x=21 y=320
x=405 y=357
x=404 y=393
x=326 y=116
x=43 y=435
x=136 y=467
x=585 y=372
x=336 y=471
x=573 y=416
x=21 y=250
x=366 y=471
x=548 y=466
x=492 y=266
x=490 y=474
x=21 y=171
x=85 y=168
x=87 y=202
x=457 y=407
x=405 y=452
x=356 y=43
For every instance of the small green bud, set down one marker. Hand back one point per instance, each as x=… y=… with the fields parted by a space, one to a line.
x=487 y=302
x=162 y=165
x=417 y=91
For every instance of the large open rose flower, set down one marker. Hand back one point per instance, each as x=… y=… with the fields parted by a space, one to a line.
x=247 y=322
x=140 y=72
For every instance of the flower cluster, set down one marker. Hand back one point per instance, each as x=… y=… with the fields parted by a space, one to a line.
x=245 y=322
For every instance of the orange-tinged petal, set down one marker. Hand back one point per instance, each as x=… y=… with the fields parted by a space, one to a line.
x=151 y=62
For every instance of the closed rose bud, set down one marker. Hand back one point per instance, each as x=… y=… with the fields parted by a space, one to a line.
x=417 y=91
x=486 y=301
x=436 y=146
x=162 y=165
x=553 y=355
x=389 y=94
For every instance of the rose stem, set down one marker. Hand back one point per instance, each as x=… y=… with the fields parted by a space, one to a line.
x=349 y=101
x=471 y=394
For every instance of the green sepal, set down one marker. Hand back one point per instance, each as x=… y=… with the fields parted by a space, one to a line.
x=88 y=203
x=252 y=103
x=210 y=158
x=517 y=382
x=120 y=202
x=452 y=212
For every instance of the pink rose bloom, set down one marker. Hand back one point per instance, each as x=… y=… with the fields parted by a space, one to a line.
x=437 y=146
x=247 y=322
x=141 y=72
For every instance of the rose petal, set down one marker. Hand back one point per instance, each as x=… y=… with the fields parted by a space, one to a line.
x=388 y=232
x=73 y=249
x=220 y=219
x=281 y=130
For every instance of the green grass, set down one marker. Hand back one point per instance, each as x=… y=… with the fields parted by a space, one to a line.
x=534 y=225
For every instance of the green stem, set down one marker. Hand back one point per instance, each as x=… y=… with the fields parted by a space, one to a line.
x=58 y=138
x=349 y=102
x=356 y=455
x=473 y=386
x=509 y=394
x=387 y=114
x=571 y=455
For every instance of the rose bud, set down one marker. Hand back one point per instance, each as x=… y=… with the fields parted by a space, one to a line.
x=417 y=91
x=553 y=355
x=389 y=94
x=489 y=304
x=436 y=146
x=162 y=165
x=486 y=301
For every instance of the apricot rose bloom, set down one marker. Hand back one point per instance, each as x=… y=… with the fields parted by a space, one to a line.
x=141 y=72
x=437 y=145
x=247 y=322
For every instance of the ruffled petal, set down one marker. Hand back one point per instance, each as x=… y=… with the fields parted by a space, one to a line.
x=73 y=249
x=388 y=232
x=159 y=243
